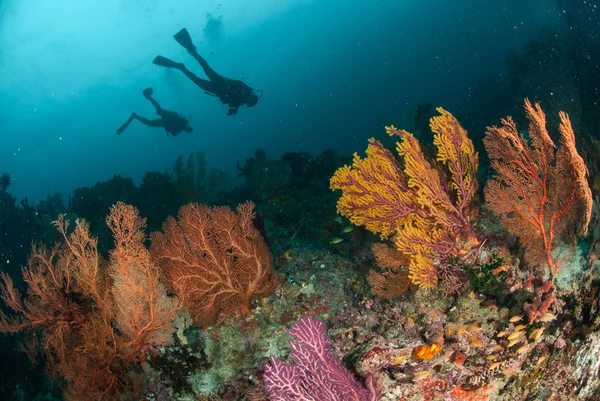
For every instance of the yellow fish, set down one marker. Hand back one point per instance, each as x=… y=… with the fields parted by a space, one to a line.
x=536 y=334
x=520 y=327
x=514 y=335
x=515 y=319
x=336 y=240
x=523 y=349
x=399 y=360
x=348 y=229
x=513 y=342
x=494 y=365
x=422 y=375
x=474 y=329
x=548 y=317
x=492 y=357
x=476 y=342
x=510 y=372
x=541 y=359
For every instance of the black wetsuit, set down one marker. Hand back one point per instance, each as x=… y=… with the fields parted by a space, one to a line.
x=172 y=122
x=232 y=92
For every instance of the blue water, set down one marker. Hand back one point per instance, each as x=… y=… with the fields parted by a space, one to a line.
x=333 y=73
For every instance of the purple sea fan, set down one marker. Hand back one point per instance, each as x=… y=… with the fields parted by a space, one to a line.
x=317 y=374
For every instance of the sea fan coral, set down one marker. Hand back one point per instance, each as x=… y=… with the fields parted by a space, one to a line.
x=423 y=205
x=541 y=193
x=215 y=260
x=317 y=374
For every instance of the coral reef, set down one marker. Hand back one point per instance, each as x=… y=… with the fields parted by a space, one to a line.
x=455 y=304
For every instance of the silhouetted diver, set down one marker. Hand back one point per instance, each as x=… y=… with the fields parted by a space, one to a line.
x=172 y=122
x=232 y=92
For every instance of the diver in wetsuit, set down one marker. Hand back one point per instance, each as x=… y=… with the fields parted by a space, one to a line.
x=232 y=92
x=172 y=122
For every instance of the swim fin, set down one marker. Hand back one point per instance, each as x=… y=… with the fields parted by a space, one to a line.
x=183 y=38
x=148 y=92
x=126 y=124
x=165 y=62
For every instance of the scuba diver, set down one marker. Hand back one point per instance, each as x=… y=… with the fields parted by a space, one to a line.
x=172 y=122
x=232 y=92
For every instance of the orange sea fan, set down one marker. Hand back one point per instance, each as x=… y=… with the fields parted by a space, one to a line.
x=215 y=260
x=540 y=193
x=392 y=279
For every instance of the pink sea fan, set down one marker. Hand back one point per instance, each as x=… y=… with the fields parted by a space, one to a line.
x=317 y=374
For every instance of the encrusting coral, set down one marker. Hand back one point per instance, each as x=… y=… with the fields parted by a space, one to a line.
x=424 y=206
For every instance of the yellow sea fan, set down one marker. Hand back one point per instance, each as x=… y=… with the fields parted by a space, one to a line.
x=374 y=192
x=456 y=151
x=422 y=204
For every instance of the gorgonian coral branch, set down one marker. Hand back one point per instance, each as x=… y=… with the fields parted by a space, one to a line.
x=215 y=260
x=423 y=204
x=540 y=193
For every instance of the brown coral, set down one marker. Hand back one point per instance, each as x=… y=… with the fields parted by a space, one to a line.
x=215 y=260
x=392 y=279
x=94 y=326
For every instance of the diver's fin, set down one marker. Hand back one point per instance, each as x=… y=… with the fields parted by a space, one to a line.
x=183 y=38
x=126 y=124
x=148 y=92
x=165 y=62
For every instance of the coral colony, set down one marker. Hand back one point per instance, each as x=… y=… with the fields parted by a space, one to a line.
x=429 y=292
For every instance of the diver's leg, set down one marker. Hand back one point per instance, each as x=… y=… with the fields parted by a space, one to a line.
x=148 y=95
x=204 y=84
x=210 y=73
x=151 y=123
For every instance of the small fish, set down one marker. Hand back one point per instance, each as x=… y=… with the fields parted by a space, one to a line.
x=548 y=317
x=520 y=327
x=494 y=365
x=516 y=319
x=541 y=359
x=399 y=360
x=336 y=240
x=422 y=375
x=509 y=372
x=492 y=357
x=536 y=334
x=476 y=342
x=515 y=341
x=502 y=333
x=514 y=335
x=288 y=255
x=497 y=348
x=348 y=229
x=474 y=329
x=523 y=349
